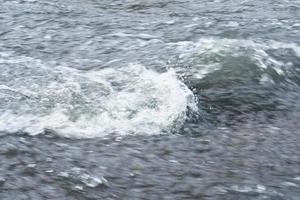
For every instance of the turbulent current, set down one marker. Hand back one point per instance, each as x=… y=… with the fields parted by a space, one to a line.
x=149 y=99
x=132 y=99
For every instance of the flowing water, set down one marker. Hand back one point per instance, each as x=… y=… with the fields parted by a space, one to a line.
x=149 y=99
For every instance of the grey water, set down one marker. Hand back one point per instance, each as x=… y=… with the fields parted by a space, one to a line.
x=149 y=99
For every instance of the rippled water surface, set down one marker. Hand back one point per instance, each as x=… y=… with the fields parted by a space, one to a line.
x=149 y=99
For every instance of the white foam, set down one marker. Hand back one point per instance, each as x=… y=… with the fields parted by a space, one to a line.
x=127 y=100
x=217 y=44
x=255 y=50
x=232 y=24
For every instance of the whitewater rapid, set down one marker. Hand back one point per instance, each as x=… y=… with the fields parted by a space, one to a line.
x=38 y=96
x=83 y=104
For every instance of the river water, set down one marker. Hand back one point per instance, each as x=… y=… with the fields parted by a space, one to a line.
x=149 y=99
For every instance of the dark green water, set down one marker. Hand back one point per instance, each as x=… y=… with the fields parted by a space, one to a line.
x=149 y=99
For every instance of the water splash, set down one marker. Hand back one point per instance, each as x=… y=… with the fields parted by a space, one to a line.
x=73 y=103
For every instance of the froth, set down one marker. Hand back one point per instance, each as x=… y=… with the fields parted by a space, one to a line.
x=209 y=54
x=72 y=103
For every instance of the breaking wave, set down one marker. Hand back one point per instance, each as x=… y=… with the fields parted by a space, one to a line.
x=130 y=100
